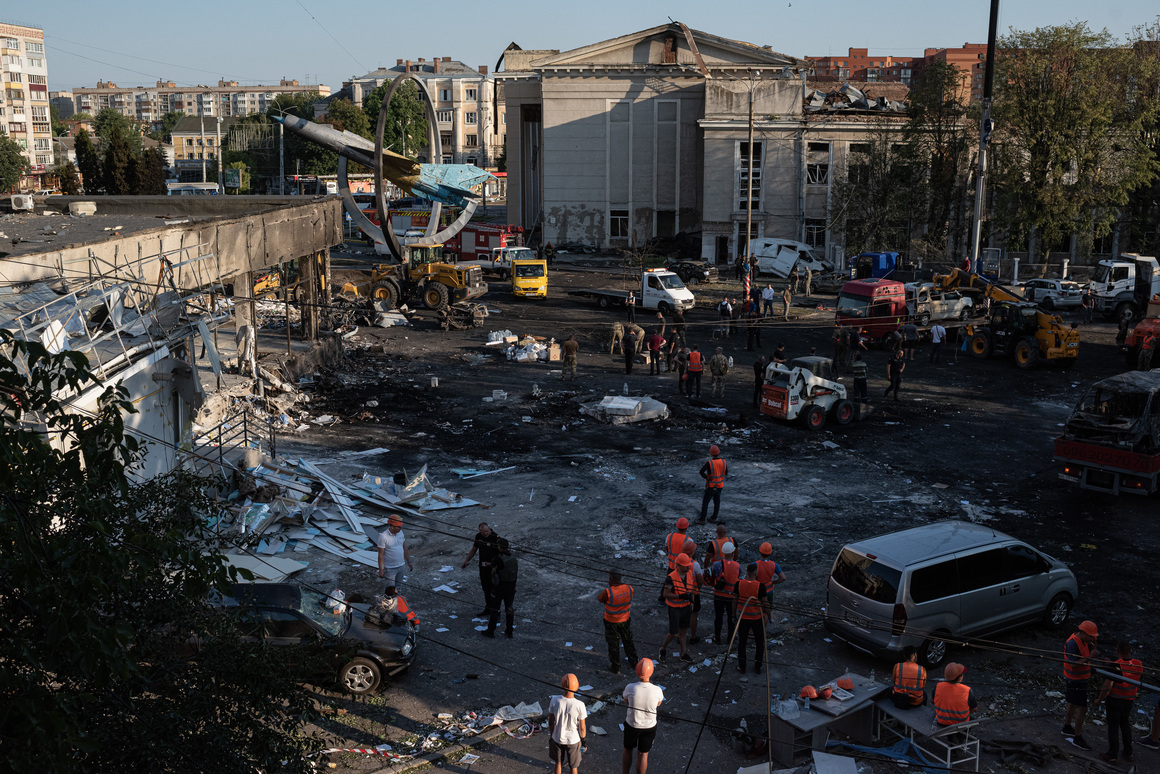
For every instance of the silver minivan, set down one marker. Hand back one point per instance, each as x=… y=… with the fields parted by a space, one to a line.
x=942 y=582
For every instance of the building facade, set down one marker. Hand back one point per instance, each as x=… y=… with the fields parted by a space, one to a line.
x=24 y=105
x=149 y=104
x=63 y=102
x=195 y=146
x=859 y=65
x=468 y=104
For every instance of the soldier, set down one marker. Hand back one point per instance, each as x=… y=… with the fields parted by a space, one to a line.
x=719 y=368
x=571 y=348
x=809 y=281
x=841 y=345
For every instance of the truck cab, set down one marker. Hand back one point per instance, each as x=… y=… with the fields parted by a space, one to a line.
x=502 y=257
x=874 y=305
x=663 y=290
x=529 y=277
x=1123 y=286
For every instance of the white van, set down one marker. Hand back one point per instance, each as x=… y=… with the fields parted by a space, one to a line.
x=778 y=257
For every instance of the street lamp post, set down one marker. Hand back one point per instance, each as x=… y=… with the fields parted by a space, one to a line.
x=753 y=76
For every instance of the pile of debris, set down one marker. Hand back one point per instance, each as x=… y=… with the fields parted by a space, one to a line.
x=847 y=98
x=621 y=410
x=526 y=348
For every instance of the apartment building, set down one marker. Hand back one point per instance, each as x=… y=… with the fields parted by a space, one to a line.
x=468 y=104
x=63 y=102
x=859 y=65
x=195 y=146
x=24 y=106
x=149 y=104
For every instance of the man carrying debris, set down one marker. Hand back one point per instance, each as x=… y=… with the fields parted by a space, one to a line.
x=1078 y=652
x=566 y=727
x=640 y=723
x=750 y=606
x=617 y=599
x=393 y=552
x=719 y=369
x=487 y=544
x=504 y=589
x=725 y=573
x=571 y=348
x=713 y=472
x=680 y=586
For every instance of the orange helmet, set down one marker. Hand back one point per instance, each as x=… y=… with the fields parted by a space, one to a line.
x=682 y=523
x=715 y=450
x=826 y=692
x=570 y=682
x=766 y=549
x=845 y=683
x=684 y=561
x=644 y=668
x=809 y=692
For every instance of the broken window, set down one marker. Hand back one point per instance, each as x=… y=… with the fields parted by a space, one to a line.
x=816 y=232
x=470 y=140
x=445 y=139
x=817 y=174
x=469 y=94
x=817 y=163
x=747 y=163
x=618 y=223
x=469 y=118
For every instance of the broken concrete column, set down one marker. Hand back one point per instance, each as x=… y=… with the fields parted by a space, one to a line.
x=309 y=307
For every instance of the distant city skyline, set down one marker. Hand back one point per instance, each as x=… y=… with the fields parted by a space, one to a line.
x=264 y=41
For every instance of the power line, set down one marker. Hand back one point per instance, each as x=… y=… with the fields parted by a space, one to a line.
x=146 y=59
x=336 y=40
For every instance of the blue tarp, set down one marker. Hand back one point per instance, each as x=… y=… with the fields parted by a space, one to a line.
x=903 y=751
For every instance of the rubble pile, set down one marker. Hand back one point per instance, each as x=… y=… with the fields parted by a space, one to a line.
x=526 y=348
x=620 y=410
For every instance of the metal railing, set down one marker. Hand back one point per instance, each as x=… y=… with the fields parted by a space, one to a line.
x=213 y=451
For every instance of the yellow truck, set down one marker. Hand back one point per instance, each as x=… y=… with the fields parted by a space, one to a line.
x=529 y=277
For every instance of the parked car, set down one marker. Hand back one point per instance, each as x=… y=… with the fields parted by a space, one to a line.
x=1053 y=293
x=925 y=303
x=930 y=585
x=693 y=272
x=320 y=641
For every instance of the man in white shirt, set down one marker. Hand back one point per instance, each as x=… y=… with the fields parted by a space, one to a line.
x=393 y=553
x=566 y=727
x=938 y=335
x=640 y=723
x=767 y=297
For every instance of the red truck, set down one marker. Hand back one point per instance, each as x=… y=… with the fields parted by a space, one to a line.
x=1150 y=324
x=873 y=304
x=476 y=240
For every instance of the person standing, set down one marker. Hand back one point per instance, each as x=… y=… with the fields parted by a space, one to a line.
x=550 y=253
x=725 y=573
x=674 y=547
x=567 y=730
x=861 y=383
x=752 y=330
x=698 y=581
x=736 y=308
x=770 y=573
x=393 y=552
x=713 y=471
x=758 y=379
x=938 y=335
x=767 y=296
x=786 y=298
x=1088 y=301
x=681 y=361
x=717 y=546
x=750 y=608
x=504 y=585
x=678 y=591
x=1147 y=347
x=953 y=701
x=857 y=344
x=486 y=544
x=724 y=316
x=631 y=341
x=809 y=282
x=841 y=345
x=1078 y=652
x=793 y=280
x=642 y=699
x=696 y=368
x=617 y=599
x=780 y=356
x=894 y=369
x=655 y=344
x=631 y=303
x=909 y=338
x=571 y=349
x=909 y=680
x=1118 y=698
x=679 y=327
x=719 y=369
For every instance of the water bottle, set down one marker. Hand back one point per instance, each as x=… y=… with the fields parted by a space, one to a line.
x=626 y=388
x=807 y=703
x=871 y=675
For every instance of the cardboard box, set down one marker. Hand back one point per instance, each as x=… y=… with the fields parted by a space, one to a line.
x=554 y=355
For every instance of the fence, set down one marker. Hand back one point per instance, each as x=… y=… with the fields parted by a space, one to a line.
x=216 y=451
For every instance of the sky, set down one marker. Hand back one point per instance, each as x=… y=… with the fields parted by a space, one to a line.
x=261 y=41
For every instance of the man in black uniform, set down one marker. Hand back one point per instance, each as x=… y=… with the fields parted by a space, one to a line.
x=507 y=569
x=487 y=544
x=894 y=370
x=758 y=379
x=629 y=344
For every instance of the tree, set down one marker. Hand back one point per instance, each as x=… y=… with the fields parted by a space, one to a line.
x=70 y=181
x=13 y=164
x=149 y=173
x=105 y=580
x=118 y=172
x=168 y=121
x=1071 y=136
x=344 y=115
x=59 y=129
x=303 y=156
x=245 y=176
x=405 y=130
x=89 y=163
x=109 y=120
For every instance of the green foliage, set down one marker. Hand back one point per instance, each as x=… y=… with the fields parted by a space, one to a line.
x=1071 y=141
x=501 y=162
x=13 y=164
x=105 y=580
x=109 y=121
x=58 y=127
x=168 y=121
x=343 y=115
x=245 y=188
x=149 y=173
x=70 y=181
x=118 y=171
x=405 y=130
x=89 y=163
x=303 y=157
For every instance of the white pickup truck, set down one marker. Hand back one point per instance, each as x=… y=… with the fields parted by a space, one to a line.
x=659 y=289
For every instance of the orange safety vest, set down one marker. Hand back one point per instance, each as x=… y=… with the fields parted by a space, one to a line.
x=695 y=363
x=718 y=543
x=909 y=678
x=730 y=573
x=1132 y=669
x=1073 y=670
x=766 y=570
x=674 y=545
x=747 y=598
x=618 y=603
x=1148 y=343
x=680 y=586
x=406 y=611
x=716 y=479
x=951 y=703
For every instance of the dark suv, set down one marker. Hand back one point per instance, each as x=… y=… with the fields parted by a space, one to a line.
x=693 y=272
x=320 y=641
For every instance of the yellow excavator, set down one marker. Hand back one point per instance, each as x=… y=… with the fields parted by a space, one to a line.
x=1014 y=327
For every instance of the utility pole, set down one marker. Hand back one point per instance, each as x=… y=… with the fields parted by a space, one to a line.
x=984 y=135
x=218 y=152
x=281 y=161
x=749 y=174
x=201 y=144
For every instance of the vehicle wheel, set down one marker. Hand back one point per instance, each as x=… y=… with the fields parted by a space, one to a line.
x=664 y=308
x=691 y=281
x=814 y=417
x=299 y=294
x=1049 y=304
x=386 y=290
x=602 y=302
x=934 y=651
x=965 y=313
x=1125 y=309
x=843 y=412
x=1132 y=359
x=361 y=675
x=924 y=319
x=981 y=345
x=435 y=296
x=1027 y=353
x=1057 y=610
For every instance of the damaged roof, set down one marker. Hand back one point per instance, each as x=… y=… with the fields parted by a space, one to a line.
x=831 y=96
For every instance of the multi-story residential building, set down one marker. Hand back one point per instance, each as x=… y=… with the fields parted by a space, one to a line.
x=195 y=145
x=63 y=102
x=24 y=106
x=149 y=104
x=468 y=105
x=859 y=65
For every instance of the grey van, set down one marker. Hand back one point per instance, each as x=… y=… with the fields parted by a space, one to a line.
x=946 y=581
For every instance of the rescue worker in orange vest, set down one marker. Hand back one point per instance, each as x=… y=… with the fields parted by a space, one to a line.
x=770 y=573
x=696 y=368
x=1118 y=698
x=617 y=599
x=699 y=579
x=909 y=680
x=674 y=545
x=713 y=551
x=1078 y=652
x=1147 y=347
x=394 y=602
x=713 y=472
x=679 y=589
x=726 y=573
x=750 y=604
x=953 y=701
